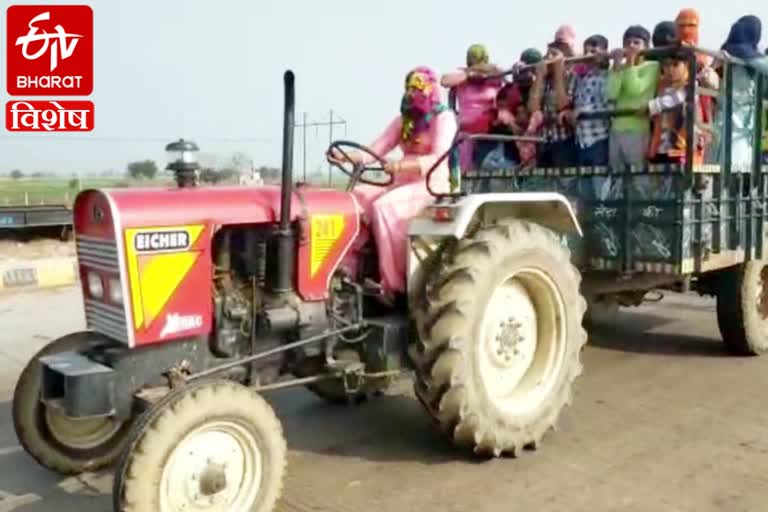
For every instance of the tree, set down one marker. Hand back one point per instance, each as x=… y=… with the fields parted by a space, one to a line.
x=16 y=174
x=269 y=174
x=209 y=175
x=143 y=169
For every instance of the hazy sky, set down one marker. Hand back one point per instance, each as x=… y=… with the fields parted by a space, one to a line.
x=212 y=71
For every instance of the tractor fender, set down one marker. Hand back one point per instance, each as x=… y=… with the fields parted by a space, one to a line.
x=453 y=219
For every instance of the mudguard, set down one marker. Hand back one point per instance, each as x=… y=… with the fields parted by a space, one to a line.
x=452 y=219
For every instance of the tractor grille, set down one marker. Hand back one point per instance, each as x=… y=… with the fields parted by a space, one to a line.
x=101 y=255
x=106 y=319
x=98 y=254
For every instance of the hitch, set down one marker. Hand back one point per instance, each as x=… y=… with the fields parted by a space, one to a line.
x=352 y=374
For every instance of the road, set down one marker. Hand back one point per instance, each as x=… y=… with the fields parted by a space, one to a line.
x=662 y=421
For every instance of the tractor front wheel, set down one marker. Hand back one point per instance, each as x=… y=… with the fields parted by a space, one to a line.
x=59 y=443
x=500 y=337
x=208 y=446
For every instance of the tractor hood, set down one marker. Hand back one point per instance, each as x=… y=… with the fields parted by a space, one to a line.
x=211 y=206
x=145 y=254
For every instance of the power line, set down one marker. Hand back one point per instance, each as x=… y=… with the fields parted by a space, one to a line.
x=330 y=123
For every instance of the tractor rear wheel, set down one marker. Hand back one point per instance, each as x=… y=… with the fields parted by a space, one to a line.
x=208 y=446
x=62 y=444
x=742 y=308
x=500 y=337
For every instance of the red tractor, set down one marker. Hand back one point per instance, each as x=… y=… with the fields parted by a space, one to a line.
x=199 y=299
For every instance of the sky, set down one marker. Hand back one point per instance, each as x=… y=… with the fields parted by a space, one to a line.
x=211 y=71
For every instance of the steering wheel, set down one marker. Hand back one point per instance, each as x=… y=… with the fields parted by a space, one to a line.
x=355 y=171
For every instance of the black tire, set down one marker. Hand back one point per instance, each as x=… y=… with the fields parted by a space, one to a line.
x=34 y=429
x=139 y=484
x=742 y=308
x=450 y=381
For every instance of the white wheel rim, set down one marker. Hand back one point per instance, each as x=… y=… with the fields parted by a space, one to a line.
x=522 y=341
x=80 y=434
x=215 y=468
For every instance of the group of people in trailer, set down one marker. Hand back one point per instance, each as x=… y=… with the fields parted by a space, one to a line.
x=550 y=101
x=544 y=103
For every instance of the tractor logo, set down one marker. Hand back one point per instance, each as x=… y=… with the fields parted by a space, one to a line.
x=161 y=241
x=159 y=260
x=175 y=323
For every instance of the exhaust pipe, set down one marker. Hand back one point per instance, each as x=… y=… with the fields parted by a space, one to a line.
x=282 y=251
x=288 y=122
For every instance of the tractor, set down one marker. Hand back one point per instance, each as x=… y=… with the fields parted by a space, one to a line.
x=199 y=299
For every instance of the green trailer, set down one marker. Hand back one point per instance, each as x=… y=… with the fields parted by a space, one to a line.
x=692 y=227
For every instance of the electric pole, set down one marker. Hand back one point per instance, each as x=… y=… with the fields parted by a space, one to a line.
x=330 y=124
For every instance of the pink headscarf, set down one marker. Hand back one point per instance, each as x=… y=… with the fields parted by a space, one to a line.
x=421 y=101
x=566 y=34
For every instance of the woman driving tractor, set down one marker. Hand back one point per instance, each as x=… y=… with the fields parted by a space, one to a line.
x=424 y=131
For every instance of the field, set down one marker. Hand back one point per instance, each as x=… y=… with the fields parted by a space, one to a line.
x=32 y=191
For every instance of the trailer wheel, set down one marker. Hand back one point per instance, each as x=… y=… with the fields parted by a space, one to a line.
x=208 y=446
x=65 y=445
x=742 y=308
x=500 y=337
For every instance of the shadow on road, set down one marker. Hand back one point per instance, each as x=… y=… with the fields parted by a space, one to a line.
x=383 y=429
x=641 y=332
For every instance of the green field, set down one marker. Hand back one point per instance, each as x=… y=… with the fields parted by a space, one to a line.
x=34 y=191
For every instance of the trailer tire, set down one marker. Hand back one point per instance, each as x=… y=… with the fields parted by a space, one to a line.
x=742 y=308
x=43 y=433
x=186 y=450
x=469 y=380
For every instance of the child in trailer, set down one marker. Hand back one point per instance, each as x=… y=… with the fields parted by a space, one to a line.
x=632 y=83
x=424 y=131
x=668 y=113
x=514 y=118
x=476 y=90
x=590 y=95
x=551 y=97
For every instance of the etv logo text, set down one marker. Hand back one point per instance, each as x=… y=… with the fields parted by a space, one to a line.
x=50 y=50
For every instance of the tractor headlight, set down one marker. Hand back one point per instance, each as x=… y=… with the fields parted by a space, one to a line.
x=95 y=286
x=115 y=291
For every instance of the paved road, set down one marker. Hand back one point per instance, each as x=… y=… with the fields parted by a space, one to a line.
x=662 y=421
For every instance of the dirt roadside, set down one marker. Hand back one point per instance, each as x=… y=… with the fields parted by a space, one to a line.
x=17 y=247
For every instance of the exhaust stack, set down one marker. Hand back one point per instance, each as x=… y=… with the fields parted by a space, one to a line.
x=282 y=251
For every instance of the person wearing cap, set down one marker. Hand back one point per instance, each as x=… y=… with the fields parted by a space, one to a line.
x=551 y=97
x=632 y=83
x=514 y=117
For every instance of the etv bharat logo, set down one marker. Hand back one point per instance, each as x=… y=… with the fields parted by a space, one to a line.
x=62 y=44
x=50 y=50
